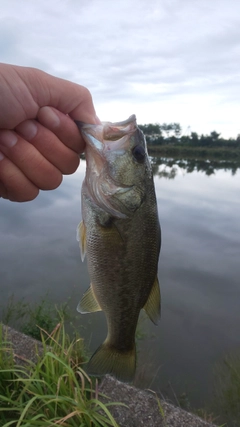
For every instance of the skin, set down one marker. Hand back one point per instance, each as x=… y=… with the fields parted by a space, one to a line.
x=39 y=141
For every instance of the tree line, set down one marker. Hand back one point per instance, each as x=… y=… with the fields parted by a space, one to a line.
x=171 y=134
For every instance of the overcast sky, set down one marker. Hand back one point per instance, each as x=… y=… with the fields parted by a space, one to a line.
x=163 y=60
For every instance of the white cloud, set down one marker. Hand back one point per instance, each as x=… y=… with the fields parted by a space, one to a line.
x=163 y=61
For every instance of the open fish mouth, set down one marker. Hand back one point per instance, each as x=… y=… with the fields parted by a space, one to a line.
x=106 y=142
x=110 y=136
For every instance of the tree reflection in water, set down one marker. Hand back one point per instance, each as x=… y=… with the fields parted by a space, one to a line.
x=168 y=167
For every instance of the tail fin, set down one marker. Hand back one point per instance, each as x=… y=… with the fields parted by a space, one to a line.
x=109 y=360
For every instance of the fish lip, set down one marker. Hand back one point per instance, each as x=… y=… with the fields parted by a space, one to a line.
x=130 y=119
x=113 y=135
x=122 y=123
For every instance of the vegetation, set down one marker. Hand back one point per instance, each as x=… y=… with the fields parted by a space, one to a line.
x=30 y=318
x=57 y=391
x=167 y=139
x=227 y=389
x=54 y=391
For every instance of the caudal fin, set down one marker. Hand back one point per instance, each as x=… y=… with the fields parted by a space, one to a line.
x=109 y=360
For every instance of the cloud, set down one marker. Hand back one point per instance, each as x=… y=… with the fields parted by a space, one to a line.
x=135 y=54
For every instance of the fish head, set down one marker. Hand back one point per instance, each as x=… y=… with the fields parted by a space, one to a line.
x=118 y=166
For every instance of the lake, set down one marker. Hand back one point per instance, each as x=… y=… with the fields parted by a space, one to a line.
x=199 y=270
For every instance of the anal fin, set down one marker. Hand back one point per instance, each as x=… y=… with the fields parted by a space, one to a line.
x=88 y=303
x=153 y=304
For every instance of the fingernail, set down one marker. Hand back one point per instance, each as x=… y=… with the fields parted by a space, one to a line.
x=8 y=138
x=49 y=118
x=27 y=129
x=1 y=156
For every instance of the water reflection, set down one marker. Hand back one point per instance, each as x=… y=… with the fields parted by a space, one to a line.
x=169 y=167
x=199 y=268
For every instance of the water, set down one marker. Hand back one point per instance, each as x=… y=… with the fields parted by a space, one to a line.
x=199 y=269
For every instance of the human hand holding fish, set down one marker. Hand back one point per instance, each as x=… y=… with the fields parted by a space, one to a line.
x=39 y=141
x=120 y=231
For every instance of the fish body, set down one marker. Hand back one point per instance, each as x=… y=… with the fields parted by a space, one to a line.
x=120 y=233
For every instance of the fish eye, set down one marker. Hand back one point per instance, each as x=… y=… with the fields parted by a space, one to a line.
x=138 y=153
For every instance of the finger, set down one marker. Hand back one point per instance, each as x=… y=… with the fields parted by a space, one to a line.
x=48 y=144
x=65 y=96
x=63 y=127
x=13 y=183
x=27 y=158
x=71 y=99
x=28 y=89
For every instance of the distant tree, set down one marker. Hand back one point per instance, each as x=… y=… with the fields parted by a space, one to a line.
x=173 y=140
x=165 y=128
x=238 y=140
x=154 y=139
x=205 y=140
x=194 y=138
x=214 y=135
x=177 y=129
x=170 y=133
x=185 y=139
x=169 y=128
x=151 y=129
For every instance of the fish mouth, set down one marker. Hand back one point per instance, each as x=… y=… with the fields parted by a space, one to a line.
x=117 y=130
x=108 y=136
x=120 y=125
x=104 y=142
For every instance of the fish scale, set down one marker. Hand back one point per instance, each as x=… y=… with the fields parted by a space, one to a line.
x=121 y=235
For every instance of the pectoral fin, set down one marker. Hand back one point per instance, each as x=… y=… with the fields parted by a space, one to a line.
x=153 y=304
x=81 y=238
x=88 y=303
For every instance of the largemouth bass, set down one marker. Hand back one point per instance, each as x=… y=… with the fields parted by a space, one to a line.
x=120 y=233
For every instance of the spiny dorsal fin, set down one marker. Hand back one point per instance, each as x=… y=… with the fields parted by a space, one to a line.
x=153 y=304
x=81 y=238
x=88 y=303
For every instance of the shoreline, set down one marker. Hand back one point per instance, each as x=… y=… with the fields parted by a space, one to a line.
x=220 y=153
x=140 y=407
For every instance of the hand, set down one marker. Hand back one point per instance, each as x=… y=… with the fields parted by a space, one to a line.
x=39 y=141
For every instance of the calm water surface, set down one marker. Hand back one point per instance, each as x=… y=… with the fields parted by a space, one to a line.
x=199 y=269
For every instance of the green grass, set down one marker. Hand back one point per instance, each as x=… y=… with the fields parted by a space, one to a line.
x=54 y=391
x=30 y=318
x=227 y=389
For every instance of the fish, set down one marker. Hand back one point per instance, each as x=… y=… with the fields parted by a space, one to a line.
x=120 y=235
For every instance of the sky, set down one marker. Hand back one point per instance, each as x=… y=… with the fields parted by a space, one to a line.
x=165 y=61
